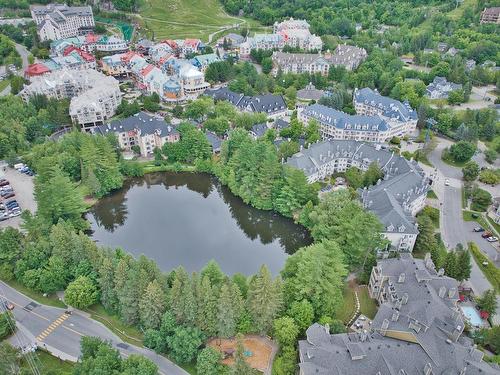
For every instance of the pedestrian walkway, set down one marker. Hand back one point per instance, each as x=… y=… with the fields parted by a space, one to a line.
x=56 y=323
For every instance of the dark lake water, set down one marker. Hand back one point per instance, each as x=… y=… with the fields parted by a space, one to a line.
x=188 y=219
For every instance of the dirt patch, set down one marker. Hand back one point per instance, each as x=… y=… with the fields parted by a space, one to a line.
x=259 y=350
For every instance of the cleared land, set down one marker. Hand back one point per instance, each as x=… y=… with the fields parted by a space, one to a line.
x=180 y=19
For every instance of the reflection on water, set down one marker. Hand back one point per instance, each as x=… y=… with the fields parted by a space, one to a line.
x=187 y=219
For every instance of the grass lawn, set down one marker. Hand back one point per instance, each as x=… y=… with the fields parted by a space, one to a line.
x=448 y=160
x=368 y=305
x=50 y=364
x=464 y=198
x=493 y=224
x=3 y=84
x=179 y=19
x=50 y=300
x=431 y=194
x=150 y=167
x=490 y=271
x=127 y=333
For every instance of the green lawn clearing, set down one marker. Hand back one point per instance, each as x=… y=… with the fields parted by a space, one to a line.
x=179 y=19
x=431 y=194
x=49 y=365
x=127 y=333
x=490 y=271
x=50 y=300
x=367 y=304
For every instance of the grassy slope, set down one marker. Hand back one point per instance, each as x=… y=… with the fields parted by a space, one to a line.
x=51 y=365
x=186 y=18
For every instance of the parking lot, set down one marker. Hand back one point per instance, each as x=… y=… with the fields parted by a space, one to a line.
x=22 y=186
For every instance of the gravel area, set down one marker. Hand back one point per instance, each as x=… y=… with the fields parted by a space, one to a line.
x=23 y=188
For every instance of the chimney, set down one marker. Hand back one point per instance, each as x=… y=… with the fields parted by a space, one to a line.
x=451 y=292
x=442 y=292
x=441 y=272
x=385 y=325
x=395 y=316
x=404 y=299
x=401 y=278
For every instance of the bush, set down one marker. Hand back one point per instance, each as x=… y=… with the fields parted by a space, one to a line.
x=489 y=176
x=7 y=325
x=462 y=151
x=481 y=199
x=395 y=141
x=470 y=171
x=490 y=156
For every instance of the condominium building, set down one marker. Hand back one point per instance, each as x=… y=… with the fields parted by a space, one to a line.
x=59 y=21
x=401 y=117
x=90 y=43
x=292 y=33
x=395 y=200
x=94 y=96
x=143 y=130
x=347 y=56
x=350 y=57
x=490 y=15
x=417 y=329
x=274 y=106
x=298 y=63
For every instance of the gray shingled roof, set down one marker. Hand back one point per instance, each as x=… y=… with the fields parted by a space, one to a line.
x=146 y=123
x=260 y=103
x=390 y=107
x=341 y=120
x=439 y=347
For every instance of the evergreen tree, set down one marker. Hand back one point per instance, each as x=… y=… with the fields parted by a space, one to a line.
x=488 y=302
x=207 y=308
x=178 y=294
x=450 y=265
x=264 y=300
x=228 y=314
x=208 y=362
x=426 y=241
x=152 y=305
x=107 y=285
x=464 y=266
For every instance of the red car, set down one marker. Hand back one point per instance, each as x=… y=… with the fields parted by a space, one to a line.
x=486 y=234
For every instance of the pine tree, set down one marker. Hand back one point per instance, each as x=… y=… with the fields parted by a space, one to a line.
x=227 y=315
x=264 y=300
x=177 y=294
x=207 y=308
x=450 y=264
x=152 y=306
x=190 y=303
x=107 y=285
x=464 y=266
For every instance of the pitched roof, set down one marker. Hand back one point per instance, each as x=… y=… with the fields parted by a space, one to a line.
x=391 y=108
x=142 y=121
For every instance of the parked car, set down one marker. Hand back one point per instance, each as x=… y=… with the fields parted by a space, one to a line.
x=7 y=305
x=9 y=195
x=4 y=183
x=478 y=229
x=492 y=239
x=486 y=234
x=15 y=213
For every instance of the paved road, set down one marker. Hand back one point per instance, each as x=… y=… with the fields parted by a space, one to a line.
x=453 y=229
x=52 y=327
x=23 y=52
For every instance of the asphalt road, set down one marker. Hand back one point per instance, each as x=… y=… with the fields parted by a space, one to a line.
x=52 y=327
x=454 y=229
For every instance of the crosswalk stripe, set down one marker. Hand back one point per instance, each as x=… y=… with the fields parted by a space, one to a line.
x=56 y=323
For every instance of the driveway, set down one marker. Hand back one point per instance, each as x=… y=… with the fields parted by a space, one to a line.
x=60 y=333
x=23 y=188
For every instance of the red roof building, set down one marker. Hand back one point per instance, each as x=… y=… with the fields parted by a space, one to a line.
x=34 y=70
x=92 y=38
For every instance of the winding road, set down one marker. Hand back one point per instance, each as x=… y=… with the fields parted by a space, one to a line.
x=60 y=333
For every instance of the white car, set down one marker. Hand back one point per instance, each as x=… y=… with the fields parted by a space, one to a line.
x=446 y=182
x=492 y=239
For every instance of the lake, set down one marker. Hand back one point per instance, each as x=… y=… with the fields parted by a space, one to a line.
x=190 y=218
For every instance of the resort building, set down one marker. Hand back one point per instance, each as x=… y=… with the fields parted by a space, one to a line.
x=94 y=96
x=490 y=15
x=175 y=80
x=440 y=88
x=293 y=33
x=395 y=200
x=297 y=63
x=203 y=61
x=401 y=118
x=232 y=40
x=143 y=130
x=417 y=329
x=90 y=43
x=350 y=57
x=273 y=106
x=71 y=58
x=59 y=21
x=309 y=93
